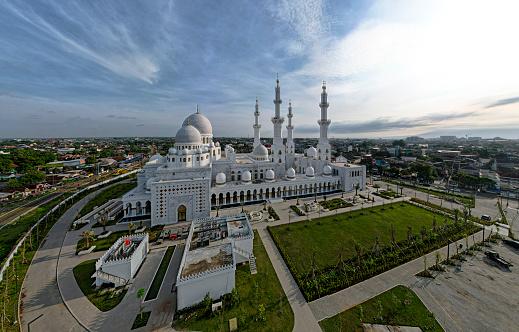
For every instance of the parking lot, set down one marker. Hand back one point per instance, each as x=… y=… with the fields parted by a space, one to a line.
x=482 y=296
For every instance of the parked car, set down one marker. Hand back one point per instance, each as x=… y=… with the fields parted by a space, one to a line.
x=512 y=243
x=486 y=217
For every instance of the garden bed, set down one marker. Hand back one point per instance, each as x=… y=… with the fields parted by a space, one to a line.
x=104 y=299
x=334 y=204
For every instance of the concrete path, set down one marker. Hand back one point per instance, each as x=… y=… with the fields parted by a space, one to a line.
x=304 y=319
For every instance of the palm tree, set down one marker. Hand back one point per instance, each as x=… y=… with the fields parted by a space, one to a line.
x=315 y=198
x=342 y=193
x=140 y=294
x=103 y=219
x=357 y=187
x=376 y=186
x=87 y=235
x=438 y=257
x=131 y=226
x=242 y=204
x=217 y=209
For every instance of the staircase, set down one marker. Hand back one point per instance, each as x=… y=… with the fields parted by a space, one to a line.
x=252 y=264
x=110 y=277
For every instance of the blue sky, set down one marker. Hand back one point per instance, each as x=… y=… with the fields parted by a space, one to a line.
x=138 y=68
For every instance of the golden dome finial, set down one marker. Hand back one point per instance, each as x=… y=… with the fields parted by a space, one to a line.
x=188 y=121
x=324 y=85
x=256 y=98
x=277 y=78
x=197 y=111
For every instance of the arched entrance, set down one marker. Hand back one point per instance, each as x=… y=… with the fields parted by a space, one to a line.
x=182 y=213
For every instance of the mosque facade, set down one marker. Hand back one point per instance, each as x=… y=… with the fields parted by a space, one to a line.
x=198 y=175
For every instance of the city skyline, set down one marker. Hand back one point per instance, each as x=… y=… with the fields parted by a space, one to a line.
x=392 y=68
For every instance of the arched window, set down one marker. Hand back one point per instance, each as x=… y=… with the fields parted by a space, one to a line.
x=182 y=213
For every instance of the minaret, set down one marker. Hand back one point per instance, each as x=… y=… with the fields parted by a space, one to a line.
x=291 y=148
x=290 y=129
x=256 y=126
x=323 y=147
x=278 y=149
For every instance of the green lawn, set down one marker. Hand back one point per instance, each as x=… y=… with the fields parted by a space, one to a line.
x=253 y=290
x=305 y=237
x=161 y=273
x=101 y=299
x=106 y=195
x=393 y=311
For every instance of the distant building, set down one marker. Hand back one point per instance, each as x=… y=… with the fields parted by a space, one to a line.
x=414 y=140
x=448 y=138
x=449 y=153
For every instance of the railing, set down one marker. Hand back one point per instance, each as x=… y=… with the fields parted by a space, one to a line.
x=110 y=277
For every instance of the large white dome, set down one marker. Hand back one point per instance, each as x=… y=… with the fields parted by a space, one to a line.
x=311 y=152
x=291 y=174
x=270 y=175
x=220 y=179
x=260 y=151
x=246 y=177
x=310 y=172
x=188 y=135
x=200 y=122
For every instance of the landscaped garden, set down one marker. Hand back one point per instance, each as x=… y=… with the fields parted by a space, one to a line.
x=398 y=306
x=387 y=194
x=103 y=298
x=161 y=273
x=338 y=251
x=335 y=203
x=258 y=302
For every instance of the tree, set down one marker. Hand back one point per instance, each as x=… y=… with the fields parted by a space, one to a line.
x=424 y=171
x=401 y=143
x=207 y=303
x=438 y=258
x=357 y=187
x=425 y=263
x=87 y=235
x=140 y=294
x=376 y=186
x=103 y=219
x=131 y=226
x=91 y=160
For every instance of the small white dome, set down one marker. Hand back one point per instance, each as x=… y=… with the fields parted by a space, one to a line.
x=246 y=177
x=270 y=175
x=327 y=170
x=149 y=182
x=217 y=144
x=198 y=150
x=188 y=135
x=185 y=151
x=206 y=149
x=291 y=174
x=220 y=179
x=211 y=145
x=311 y=152
x=260 y=151
x=172 y=151
x=156 y=157
x=310 y=172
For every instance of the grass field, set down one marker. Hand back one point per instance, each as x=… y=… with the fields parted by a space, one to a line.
x=253 y=290
x=106 y=195
x=83 y=273
x=397 y=306
x=305 y=237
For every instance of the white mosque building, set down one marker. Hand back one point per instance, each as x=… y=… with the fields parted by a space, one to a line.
x=197 y=175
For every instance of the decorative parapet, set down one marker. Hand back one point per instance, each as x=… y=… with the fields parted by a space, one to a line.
x=207 y=272
x=103 y=259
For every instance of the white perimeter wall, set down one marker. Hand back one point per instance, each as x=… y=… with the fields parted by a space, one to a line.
x=193 y=291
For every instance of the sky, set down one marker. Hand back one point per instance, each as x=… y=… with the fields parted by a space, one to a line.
x=139 y=68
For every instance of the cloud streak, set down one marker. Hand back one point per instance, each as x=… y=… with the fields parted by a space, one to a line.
x=503 y=102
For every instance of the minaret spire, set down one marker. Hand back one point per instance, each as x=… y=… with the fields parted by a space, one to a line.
x=278 y=149
x=256 y=126
x=323 y=147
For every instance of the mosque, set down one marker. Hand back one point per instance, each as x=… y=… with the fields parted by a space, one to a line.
x=198 y=175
